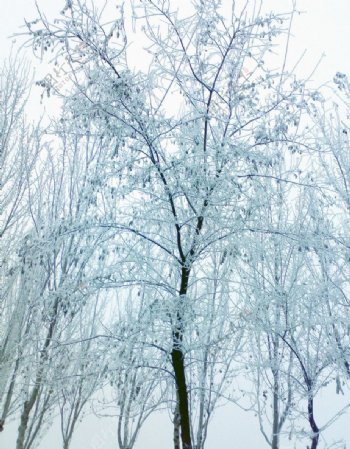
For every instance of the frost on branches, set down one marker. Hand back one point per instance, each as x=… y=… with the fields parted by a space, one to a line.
x=176 y=228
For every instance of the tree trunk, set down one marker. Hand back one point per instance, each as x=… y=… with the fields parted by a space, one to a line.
x=27 y=407
x=177 y=425
x=178 y=363
x=275 y=424
x=29 y=404
x=313 y=425
x=9 y=394
x=276 y=387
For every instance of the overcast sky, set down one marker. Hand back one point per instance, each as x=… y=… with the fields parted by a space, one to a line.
x=323 y=29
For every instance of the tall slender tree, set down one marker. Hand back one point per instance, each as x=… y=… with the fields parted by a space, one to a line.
x=184 y=177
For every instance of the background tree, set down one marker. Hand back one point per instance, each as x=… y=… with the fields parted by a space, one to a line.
x=20 y=147
x=79 y=372
x=56 y=257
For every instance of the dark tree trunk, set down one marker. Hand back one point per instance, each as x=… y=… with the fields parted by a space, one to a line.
x=22 y=427
x=313 y=425
x=178 y=363
x=276 y=393
x=275 y=425
x=177 y=425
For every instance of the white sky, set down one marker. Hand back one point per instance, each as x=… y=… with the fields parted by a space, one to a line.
x=323 y=29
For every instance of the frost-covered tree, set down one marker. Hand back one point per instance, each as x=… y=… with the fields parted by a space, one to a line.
x=55 y=265
x=20 y=147
x=182 y=182
x=79 y=367
x=330 y=140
